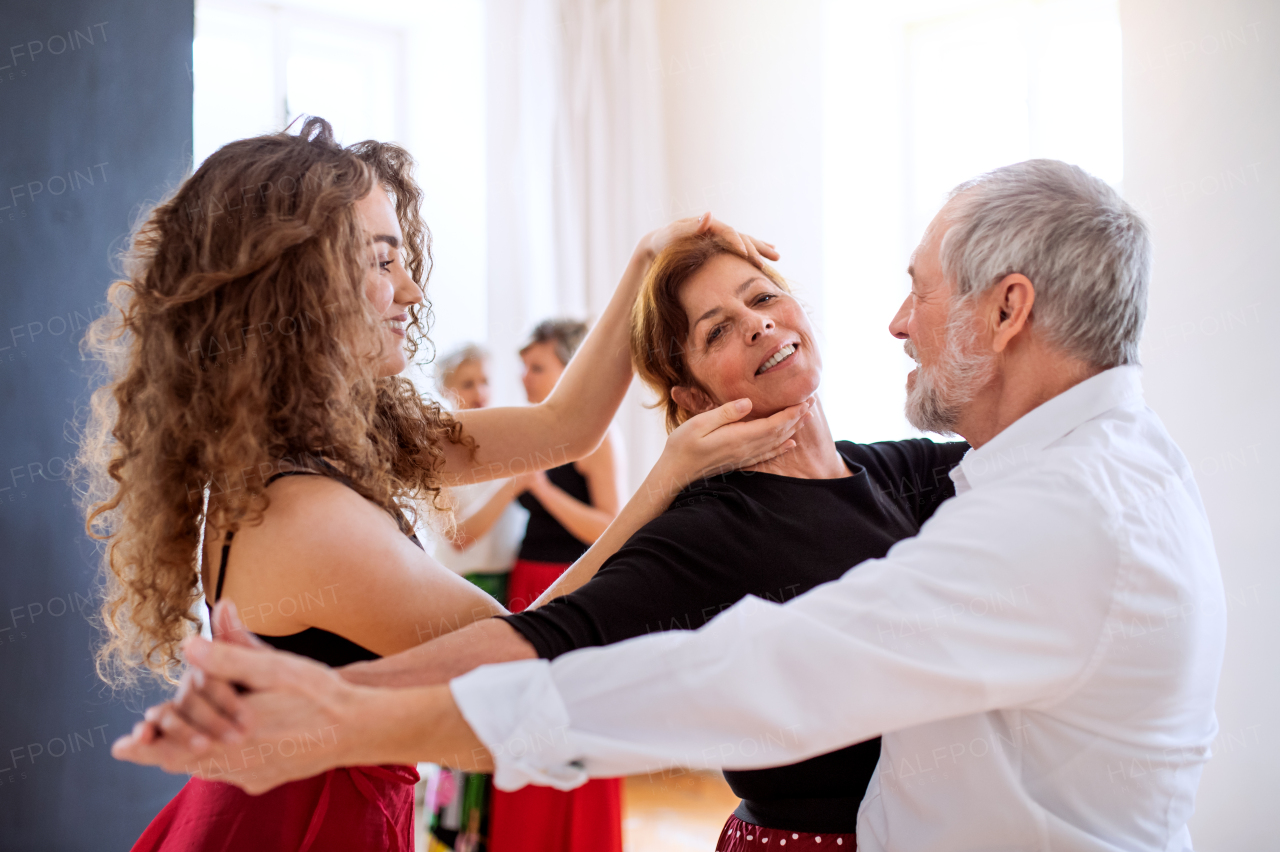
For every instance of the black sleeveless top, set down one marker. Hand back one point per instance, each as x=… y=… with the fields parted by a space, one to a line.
x=320 y=645
x=545 y=539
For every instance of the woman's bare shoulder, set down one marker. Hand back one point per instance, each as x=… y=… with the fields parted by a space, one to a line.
x=313 y=529
x=322 y=538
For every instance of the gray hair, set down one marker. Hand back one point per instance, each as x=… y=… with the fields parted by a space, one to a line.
x=1086 y=250
x=447 y=366
x=564 y=335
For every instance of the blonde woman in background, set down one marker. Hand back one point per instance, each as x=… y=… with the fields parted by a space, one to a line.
x=482 y=548
x=490 y=525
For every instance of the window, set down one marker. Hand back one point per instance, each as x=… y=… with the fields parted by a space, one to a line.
x=258 y=67
x=393 y=70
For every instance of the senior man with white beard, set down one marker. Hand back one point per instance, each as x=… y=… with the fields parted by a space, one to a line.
x=1041 y=660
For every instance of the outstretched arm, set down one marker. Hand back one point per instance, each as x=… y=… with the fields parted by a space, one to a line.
x=573 y=420
x=443 y=659
x=691 y=453
x=207 y=708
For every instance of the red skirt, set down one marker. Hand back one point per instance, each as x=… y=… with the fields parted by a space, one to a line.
x=359 y=807
x=739 y=836
x=528 y=579
x=543 y=819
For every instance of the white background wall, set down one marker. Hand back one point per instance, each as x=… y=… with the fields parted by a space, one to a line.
x=1202 y=139
x=742 y=84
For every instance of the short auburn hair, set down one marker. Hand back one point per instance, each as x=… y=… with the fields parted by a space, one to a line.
x=659 y=324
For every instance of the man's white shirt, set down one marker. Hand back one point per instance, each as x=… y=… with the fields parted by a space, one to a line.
x=1041 y=660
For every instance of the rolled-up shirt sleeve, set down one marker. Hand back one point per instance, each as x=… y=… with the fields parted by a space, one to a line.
x=1000 y=601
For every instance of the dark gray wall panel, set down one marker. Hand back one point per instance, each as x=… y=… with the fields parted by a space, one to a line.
x=95 y=121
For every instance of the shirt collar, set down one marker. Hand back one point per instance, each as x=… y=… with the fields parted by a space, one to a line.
x=1040 y=427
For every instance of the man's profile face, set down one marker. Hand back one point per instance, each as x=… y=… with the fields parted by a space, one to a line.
x=922 y=319
x=941 y=338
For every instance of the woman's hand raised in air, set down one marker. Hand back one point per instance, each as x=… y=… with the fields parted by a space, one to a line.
x=655 y=241
x=715 y=442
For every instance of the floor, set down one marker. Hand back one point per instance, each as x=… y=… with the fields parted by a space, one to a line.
x=675 y=811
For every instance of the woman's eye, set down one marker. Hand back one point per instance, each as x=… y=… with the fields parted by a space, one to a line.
x=383 y=264
x=767 y=297
x=714 y=334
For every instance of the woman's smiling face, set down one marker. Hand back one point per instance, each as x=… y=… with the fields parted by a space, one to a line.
x=388 y=285
x=747 y=338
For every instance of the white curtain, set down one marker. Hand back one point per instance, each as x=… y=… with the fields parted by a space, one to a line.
x=576 y=171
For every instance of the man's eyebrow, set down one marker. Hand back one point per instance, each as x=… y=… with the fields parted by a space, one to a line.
x=394 y=242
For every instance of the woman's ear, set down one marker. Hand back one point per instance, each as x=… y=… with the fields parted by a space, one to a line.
x=692 y=400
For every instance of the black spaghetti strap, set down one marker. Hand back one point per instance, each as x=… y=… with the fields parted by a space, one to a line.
x=222 y=566
x=333 y=473
x=294 y=472
x=226 y=542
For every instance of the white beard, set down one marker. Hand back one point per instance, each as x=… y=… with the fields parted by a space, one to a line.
x=941 y=392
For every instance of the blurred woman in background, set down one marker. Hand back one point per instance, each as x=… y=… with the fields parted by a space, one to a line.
x=570 y=506
x=481 y=547
x=489 y=524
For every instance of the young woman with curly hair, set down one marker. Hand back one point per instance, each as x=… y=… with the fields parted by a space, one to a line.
x=252 y=423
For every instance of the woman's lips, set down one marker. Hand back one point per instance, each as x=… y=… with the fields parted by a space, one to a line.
x=396 y=324
x=778 y=358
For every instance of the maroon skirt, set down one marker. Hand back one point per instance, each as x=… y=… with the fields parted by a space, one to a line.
x=739 y=836
x=359 y=807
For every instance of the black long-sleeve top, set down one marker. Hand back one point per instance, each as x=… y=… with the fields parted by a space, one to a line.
x=776 y=537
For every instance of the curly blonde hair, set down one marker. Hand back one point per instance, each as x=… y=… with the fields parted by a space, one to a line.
x=232 y=351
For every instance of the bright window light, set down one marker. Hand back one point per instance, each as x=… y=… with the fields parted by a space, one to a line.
x=393 y=70
x=936 y=93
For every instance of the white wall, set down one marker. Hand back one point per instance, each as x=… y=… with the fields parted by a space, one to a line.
x=920 y=95
x=1202 y=134
x=445 y=72
x=742 y=85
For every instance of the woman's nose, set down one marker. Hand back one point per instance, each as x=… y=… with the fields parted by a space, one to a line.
x=407 y=291
x=760 y=328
